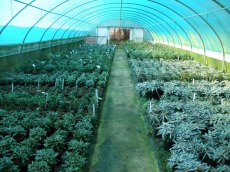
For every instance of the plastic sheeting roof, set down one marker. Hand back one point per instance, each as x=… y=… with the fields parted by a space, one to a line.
x=203 y=24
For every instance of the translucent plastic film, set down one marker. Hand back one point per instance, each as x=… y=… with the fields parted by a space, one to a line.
x=203 y=25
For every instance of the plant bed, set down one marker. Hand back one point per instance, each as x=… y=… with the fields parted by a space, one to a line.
x=191 y=115
x=48 y=107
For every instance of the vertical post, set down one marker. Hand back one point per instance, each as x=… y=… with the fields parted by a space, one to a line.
x=34 y=67
x=150 y=107
x=47 y=96
x=194 y=97
x=94 y=110
x=96 y=95
x=97 y=35
x=63 y=84
x=38 y=88
x=12 y=87
x=204 y=56
x=223 y=62
x=109 y=52
x=108 y=35
x=161 y=62
x=222 y=101
x=76 y=84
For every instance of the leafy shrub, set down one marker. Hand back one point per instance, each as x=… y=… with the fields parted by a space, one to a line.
x=39 y=166
x=79 y=146
x=6 y=164
x=56 y=141
x=39 y=130
x=6 y=143
x=67 y=122
x=195 y=127
x=83 y=130
x=47 y=155
x=22 y=153
x=73 y=161
x=37 y=133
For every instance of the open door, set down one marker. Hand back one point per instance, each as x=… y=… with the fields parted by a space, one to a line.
x=119 y=34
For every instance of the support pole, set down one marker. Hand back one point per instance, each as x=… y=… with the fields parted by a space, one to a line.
x=194 y=97
x=223 y=63
x=38 y=87
x=94 y=110
x=150 y=107
x=12 y=87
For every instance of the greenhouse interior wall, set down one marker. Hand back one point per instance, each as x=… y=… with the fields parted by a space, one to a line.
x=12 y=57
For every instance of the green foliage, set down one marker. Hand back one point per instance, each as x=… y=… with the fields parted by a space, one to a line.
x=7 y=165
x=6 y=143
x=145 y=50
x=15 y=130
x=79 y=146
x=89 y=83
x=41 y=166
x=174 y=70
x=57 y=140
x=30 y=142
x=73 y=161
x=22 y=153
x=41 y=119
x=83 y=130
x=43 y=122
x=47 y=155
x=166 y=130
x=37 y=133
x=191 y=113
x=67 y=122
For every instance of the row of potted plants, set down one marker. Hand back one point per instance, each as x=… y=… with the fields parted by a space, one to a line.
x=145 y=50
x=166 y=70
x=189 y=113
x=48 y=111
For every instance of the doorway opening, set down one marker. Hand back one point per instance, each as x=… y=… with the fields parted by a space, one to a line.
x=119 y=34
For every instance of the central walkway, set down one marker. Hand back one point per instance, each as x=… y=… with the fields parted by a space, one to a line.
x=122 y=142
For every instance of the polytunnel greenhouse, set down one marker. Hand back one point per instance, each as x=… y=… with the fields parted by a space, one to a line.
x=115 y=85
